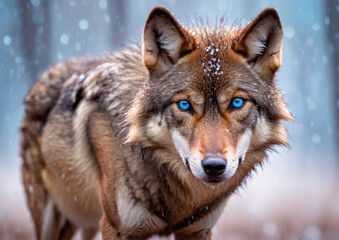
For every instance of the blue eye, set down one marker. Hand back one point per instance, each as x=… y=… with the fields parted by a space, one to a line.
x=184 y=104
x=237 y=102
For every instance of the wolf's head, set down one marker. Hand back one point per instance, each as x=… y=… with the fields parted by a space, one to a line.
x=211 y=98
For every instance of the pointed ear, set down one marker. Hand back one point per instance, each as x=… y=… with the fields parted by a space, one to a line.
x=164 y=41
x=260 y=43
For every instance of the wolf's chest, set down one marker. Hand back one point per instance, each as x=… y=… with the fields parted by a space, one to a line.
x=137 y=220
x=134 y=217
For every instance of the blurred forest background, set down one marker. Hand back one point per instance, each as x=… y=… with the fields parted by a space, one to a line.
x=295 y=196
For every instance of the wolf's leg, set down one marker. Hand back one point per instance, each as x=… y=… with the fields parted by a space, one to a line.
x=68 y=230
x=201 y=235
x=107 y=230
x=52 y=222
x=89 y=233
x=55 y=226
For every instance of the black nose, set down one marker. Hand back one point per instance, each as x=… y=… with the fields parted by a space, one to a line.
x=214 y=166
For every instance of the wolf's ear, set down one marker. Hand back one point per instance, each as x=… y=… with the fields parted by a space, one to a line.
x=164 y=41
x=260 y=43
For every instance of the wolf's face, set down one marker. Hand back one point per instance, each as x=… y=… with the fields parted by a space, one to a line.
x=212 y=138
x=211 y=97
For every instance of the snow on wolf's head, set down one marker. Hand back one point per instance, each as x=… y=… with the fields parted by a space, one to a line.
x=210 y=105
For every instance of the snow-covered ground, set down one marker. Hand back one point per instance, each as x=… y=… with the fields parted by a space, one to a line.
x=278 y=202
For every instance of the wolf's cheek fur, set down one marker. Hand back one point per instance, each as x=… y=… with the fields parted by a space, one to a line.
x=263 y=130
x=192 y=161
x=181 y=146
x=233 y=160
x=156 y=130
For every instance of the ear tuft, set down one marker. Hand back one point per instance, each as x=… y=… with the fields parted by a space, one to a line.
x=164 y=41
x=260 y=43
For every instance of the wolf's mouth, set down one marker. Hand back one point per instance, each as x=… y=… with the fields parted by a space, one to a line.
x=213 y=181
x=187 y=164
x=240 y=161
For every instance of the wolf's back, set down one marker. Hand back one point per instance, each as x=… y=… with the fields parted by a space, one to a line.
x=38 y=104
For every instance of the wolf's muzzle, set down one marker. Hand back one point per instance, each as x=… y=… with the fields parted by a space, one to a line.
x=214 y=166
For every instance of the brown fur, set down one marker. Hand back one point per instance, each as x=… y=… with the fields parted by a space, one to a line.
x=39 y=102
x=113 y=143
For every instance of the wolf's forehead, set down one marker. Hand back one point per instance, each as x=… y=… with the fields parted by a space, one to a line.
x=211 y=60
x=215 y=67
x=215 y=53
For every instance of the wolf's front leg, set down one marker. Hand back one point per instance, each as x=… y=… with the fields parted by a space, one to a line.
x=201 y=235
x=108 y=231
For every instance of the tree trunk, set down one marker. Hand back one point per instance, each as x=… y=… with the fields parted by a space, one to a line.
x=333 y=40
x=35 y=24
x=117 y=13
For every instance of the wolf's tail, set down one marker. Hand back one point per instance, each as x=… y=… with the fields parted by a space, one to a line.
x=38 y=103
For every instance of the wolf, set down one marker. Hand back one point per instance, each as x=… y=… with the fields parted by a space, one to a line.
x=153 y=140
